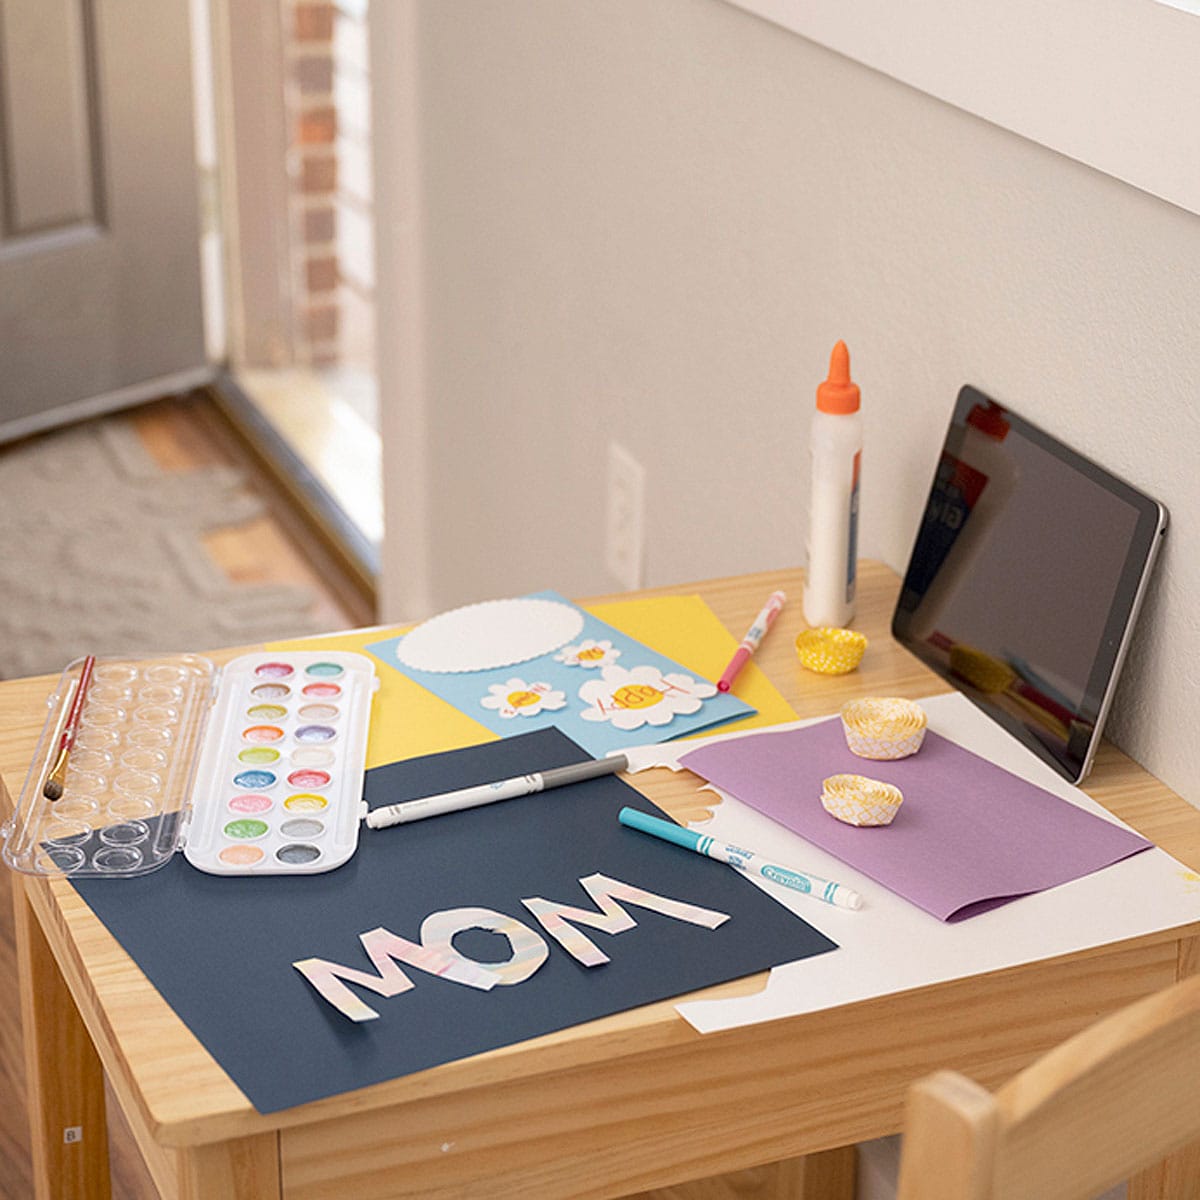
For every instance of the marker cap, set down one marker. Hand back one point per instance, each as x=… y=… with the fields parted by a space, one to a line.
x=659 y=828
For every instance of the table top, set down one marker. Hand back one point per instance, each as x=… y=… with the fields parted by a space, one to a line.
x=149 y=1051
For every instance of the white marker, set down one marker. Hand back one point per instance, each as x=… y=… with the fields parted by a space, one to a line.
x=743 y=860
x=489 y=793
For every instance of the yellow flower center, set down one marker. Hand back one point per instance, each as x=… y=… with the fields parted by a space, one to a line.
x=591 y=654
x=636 y=695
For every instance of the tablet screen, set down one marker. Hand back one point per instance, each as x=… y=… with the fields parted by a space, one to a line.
x=1025 y=577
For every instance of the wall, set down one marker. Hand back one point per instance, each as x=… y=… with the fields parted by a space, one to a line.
x=1111 y=83
x=651 y=222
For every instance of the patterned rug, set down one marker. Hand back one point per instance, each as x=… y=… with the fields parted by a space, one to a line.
x=101 y=552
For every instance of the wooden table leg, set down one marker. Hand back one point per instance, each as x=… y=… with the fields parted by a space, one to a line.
x=1177 y=1177
x=64 y=1082
x=829 y=1175
x=242 y=1169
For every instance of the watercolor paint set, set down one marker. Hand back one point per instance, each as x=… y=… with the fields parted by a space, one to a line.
x=255 y=768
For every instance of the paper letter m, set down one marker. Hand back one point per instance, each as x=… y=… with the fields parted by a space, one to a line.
x=611 y=918
x=384 y=948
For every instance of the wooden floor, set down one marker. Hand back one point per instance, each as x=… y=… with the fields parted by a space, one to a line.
x=281 y=547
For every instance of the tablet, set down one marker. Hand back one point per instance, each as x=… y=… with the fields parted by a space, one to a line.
x=1025 y=579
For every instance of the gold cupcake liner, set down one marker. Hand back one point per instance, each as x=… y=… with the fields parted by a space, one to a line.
x=881 y=727
x=860 y=801
x=830 y=651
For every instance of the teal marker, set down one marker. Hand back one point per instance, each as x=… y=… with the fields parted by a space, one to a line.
x=744 y=860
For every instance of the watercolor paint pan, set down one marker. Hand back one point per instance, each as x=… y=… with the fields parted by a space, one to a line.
x=256 y=768
x=279 y=786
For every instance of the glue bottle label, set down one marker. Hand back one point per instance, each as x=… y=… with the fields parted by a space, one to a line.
x=852 y=541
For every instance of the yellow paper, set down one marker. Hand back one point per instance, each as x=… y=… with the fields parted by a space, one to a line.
x=686 y=629
x=407 y=720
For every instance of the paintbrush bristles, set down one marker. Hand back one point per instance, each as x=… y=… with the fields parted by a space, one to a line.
x=53 y=785
x=52 y=789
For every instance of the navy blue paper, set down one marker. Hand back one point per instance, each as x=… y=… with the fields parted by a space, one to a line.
x=220 y=948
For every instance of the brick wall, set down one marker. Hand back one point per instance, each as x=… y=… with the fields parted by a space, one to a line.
x=327 y=101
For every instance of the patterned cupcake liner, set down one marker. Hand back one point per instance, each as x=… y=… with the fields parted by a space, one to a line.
x=860 y=801
x=883 y=727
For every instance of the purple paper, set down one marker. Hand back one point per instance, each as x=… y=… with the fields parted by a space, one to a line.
x=969 y=835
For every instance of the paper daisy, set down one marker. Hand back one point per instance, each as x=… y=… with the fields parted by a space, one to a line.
x=589 y=653
x=642 y=696
x=516 y=698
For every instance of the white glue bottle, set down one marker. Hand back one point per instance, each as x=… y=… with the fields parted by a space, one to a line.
x=829 y=581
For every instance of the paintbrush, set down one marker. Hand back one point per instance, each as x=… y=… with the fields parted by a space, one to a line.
x=52 y=789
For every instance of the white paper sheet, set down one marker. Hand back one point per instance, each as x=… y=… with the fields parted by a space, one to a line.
x=890 y=945
x=495 y=633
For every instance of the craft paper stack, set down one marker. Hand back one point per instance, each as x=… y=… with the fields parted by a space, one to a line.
x=969 y=835
x=221 y=950
x=540 y=661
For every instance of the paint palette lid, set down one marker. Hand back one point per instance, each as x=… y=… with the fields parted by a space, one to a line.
x=126 y=781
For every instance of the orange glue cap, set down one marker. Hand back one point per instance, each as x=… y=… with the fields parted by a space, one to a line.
x=838 y=394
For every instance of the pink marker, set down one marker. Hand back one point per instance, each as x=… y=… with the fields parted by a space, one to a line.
x=754 y=635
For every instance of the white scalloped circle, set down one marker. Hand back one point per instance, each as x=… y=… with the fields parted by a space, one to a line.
x=496 y=633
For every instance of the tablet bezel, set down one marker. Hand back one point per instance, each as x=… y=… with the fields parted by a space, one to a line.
x=1131 y=585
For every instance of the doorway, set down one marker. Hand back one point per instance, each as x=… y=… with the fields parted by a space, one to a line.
x=295 y=95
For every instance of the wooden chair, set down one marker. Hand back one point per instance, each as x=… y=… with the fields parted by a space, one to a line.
x=1111 y=1101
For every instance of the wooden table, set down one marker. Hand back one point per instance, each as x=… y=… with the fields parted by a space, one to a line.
x=632 y=1102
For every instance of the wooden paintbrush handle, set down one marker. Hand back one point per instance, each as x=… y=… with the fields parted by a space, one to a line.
x=71 y=729
x=52 y=788
x=57 y=766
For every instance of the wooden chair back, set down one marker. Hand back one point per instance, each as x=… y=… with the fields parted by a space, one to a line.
x=1109 y=1102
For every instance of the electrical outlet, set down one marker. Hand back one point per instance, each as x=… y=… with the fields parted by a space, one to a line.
x=624 y=538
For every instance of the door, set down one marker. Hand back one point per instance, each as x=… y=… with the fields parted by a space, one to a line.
x=100 y=292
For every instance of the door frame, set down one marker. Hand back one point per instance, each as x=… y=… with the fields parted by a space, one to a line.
x=249 y=78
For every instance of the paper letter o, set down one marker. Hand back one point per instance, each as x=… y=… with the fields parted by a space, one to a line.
x=529 y=950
